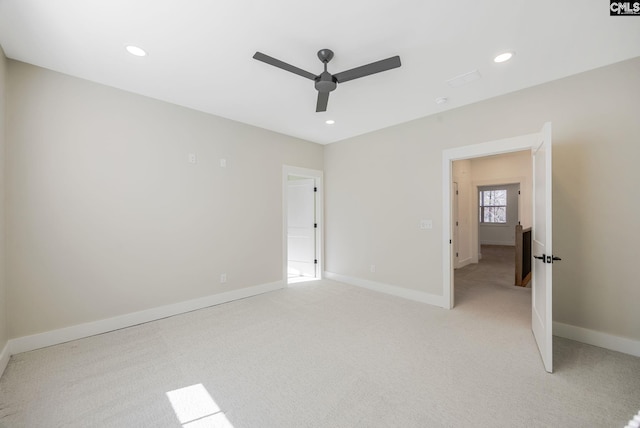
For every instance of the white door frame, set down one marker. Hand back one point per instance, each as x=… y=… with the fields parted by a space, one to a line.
x=498 y=147
x=287 y=171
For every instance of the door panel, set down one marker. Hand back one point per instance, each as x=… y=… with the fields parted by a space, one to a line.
x=542 y=286
x=456 y=229
x=301 y=233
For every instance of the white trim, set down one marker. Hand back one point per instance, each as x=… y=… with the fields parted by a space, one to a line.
x=405 y=293
x=29 y=343
x=597 y=338
x=507 y=145
x=317 y=175
x=465 y=262
x=497 y=147
x=62 y=335
x=4 y=358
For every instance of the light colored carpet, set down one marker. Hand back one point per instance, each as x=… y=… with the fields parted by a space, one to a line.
x=325 y=354
x=497 y=267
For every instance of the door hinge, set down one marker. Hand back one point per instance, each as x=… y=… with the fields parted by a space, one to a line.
x=315 y=189
x=518 y=192
x=315 y=225
x=456 y=192
x=449 y=241
x=456 y=254
x=315 y=262
x=456 y=223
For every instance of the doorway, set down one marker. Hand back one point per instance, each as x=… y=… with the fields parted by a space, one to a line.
x=540 y=147
x=302 y=224
x=467 y=183
x=490 y=197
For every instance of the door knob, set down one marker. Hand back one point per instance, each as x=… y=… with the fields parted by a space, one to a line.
x=547 y=259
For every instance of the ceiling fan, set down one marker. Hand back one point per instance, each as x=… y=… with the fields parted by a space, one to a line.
x=327 y=82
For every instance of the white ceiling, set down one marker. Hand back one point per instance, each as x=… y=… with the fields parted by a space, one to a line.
x=200 y=52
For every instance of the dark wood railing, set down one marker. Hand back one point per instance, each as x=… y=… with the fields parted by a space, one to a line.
x=523 y=256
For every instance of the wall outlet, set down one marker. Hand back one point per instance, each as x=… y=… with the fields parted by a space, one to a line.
x=223 y=278
x=192 y=158
x=372 y=268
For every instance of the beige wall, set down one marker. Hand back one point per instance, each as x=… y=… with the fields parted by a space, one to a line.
x=106 y=216
x=379 y=185
x=3 y=293
x=508 y=168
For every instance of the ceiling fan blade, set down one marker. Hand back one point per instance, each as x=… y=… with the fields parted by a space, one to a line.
x=366 y=70
x=283 y=65
x=323 y=99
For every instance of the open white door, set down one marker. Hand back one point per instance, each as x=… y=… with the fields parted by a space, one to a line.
x=301 y=228
x=542 y=287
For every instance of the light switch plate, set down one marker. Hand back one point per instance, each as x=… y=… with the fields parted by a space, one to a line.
x=426 y=224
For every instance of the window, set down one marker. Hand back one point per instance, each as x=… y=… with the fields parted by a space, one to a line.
x=493 y=206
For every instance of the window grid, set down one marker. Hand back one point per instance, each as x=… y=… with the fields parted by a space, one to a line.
x=493 y=206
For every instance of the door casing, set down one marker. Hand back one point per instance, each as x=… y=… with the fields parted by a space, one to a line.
x=498 y=147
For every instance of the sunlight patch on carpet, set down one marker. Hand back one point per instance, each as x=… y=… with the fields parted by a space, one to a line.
x=195 y=408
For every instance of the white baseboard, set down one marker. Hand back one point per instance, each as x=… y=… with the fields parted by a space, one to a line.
x=501 y=243
x=418 y=296
x=579 y=334
x=4 y=358
x=597 y=338
x=55 y=337
x=465 y=262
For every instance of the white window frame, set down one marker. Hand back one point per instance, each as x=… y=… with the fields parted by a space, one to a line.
x=481 y=208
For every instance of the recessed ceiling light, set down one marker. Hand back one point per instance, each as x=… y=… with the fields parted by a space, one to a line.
x=503 y=57
x=330 y=122
x=134 y=50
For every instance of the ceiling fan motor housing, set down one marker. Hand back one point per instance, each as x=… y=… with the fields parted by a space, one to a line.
x=326 y=82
